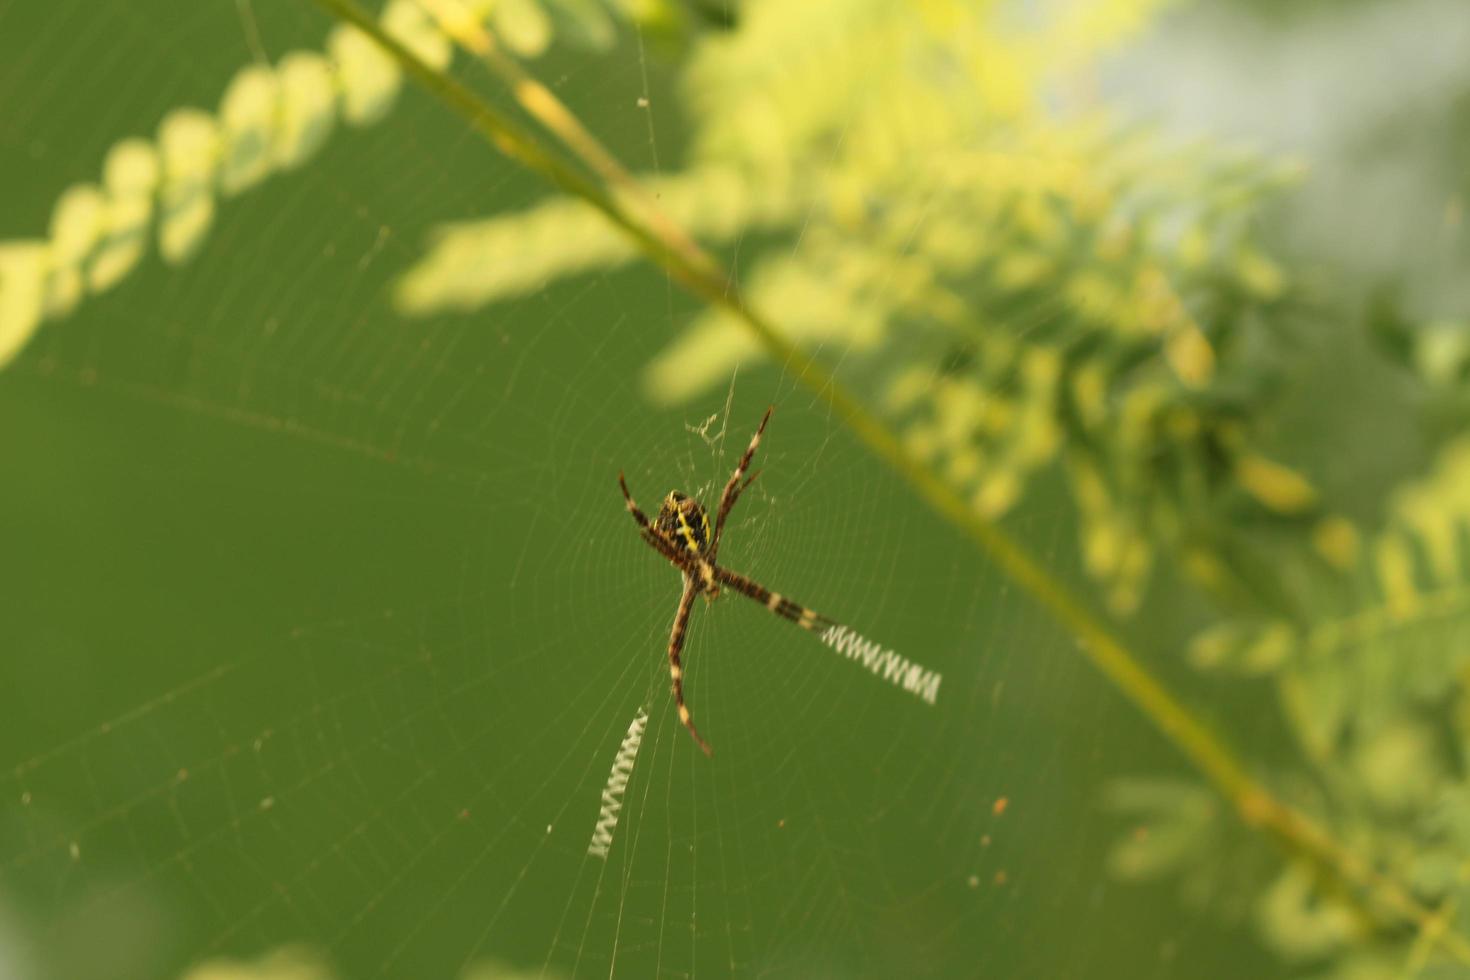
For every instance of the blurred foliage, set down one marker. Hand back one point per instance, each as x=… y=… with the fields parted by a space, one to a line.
x=1436 y=354
x=270 y=119
x=1028 y=284
x=289 y=963
x=298 y=963
x=1371 y=679
x=1021 y=283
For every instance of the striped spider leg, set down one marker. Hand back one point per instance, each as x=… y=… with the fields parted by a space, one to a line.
x=676 y=644
x=684 y=551
x=734 y=488
x=777 y=603
x=681 y=533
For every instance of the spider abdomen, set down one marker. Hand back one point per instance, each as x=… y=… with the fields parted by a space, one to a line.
x=683 y=521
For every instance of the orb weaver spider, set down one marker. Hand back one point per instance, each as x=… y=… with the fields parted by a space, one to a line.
x=681 y=533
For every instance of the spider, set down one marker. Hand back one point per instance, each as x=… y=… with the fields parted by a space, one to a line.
x=681 y=533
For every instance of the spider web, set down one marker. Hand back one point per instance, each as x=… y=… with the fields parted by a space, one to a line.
x=323 y=627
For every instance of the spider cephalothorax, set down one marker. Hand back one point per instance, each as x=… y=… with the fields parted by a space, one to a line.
x=681 y=533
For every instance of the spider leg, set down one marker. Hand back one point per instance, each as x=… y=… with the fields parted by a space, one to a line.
x=638 y=515
x=734 y=488
x=655 y=540
x=661 y=544
x=692 y=588
x=806 y=618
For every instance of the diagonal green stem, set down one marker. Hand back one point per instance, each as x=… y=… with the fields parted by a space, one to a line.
x=691 y=265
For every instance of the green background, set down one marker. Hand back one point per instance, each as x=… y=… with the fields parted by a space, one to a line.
x=322 y=626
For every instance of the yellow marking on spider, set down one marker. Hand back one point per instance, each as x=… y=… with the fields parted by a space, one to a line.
x=774 y=601
x=683 y=714
x=808 y=619
x=675 y=672
x=686 y=531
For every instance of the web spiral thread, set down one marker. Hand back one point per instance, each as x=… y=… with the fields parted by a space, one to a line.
x=617 y=782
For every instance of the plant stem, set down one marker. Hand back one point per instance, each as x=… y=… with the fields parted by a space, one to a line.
x=686 y=261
